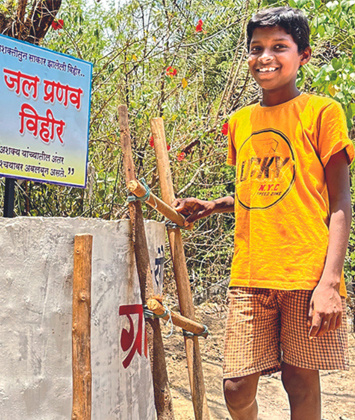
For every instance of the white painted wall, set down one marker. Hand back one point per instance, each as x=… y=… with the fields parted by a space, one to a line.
x=36 y=268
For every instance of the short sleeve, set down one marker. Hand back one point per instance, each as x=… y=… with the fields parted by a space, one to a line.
x=231 y=156
x=333 y=133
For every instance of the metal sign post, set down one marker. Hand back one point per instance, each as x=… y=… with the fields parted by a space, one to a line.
x=9 y=197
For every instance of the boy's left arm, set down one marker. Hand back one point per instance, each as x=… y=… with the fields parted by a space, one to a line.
x=325 y=307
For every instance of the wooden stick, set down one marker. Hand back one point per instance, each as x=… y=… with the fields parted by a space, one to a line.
x=138 y=189
x=177 y=319
x=194 y=363
x=81 y=343
x=162 y=396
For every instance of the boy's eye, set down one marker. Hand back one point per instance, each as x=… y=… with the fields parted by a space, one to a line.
x=254 y=49
x=280 y=47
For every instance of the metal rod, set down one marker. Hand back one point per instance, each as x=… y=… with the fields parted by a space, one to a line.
x=9 y=199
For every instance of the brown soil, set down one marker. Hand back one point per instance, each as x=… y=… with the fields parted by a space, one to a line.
x=338 y=397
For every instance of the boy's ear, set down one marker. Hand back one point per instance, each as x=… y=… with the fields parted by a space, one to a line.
x=306 y=56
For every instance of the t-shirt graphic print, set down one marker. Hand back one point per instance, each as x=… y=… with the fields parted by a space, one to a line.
x=266 y=169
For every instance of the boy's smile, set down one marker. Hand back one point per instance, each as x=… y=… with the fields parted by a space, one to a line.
x=274 y=61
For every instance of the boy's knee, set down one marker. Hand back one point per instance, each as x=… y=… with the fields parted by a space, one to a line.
x=240 y=393
x=300 y=382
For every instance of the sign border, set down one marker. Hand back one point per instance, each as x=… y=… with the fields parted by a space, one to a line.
x=44 y=181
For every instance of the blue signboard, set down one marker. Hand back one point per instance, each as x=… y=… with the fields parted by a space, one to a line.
x=44 y=114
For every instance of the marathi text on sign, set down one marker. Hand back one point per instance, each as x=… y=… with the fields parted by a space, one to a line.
x=47 y=126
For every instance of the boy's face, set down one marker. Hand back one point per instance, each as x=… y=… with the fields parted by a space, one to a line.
x=274 y=59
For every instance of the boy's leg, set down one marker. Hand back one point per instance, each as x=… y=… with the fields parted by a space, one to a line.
x=251 y=347
x=239 y=394
x=303 y=358
x=303 y=389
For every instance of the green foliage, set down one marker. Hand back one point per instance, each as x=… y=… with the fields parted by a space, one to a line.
x=349 y=267
x=131 y=48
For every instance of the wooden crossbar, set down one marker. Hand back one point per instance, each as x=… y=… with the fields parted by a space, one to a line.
x=177 y=319
x=138 y=189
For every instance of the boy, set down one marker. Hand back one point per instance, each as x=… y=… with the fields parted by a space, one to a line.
x=293 y=214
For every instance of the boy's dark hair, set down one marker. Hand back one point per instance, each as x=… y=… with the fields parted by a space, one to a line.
x=293 y=21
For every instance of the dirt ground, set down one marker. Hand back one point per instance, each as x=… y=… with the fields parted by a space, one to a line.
x=338 y=395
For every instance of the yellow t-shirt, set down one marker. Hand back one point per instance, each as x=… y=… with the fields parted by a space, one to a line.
x=281 y=196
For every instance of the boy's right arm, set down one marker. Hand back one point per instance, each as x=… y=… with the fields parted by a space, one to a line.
x=195 y=208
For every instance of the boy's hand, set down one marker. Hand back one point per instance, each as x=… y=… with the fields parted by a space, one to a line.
x=325 y=311
x=193 y=208
x=325 y=307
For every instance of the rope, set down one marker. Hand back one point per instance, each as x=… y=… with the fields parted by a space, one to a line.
x=204 y=333
x=167 y=323
x=132 y=198
x=171 y=225
x=150 y=314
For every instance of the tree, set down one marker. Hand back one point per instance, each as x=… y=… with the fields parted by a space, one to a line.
x=183 y=61
x=28 y=22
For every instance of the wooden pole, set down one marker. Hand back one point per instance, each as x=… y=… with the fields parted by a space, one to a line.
x=81 y=343
x=138 y=189
x=177 y=319
x=162 y=397
x=193 y=355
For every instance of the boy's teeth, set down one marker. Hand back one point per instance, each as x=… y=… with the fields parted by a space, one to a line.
x=268 y=69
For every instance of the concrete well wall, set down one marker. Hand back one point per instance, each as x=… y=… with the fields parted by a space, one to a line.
x=36 y=274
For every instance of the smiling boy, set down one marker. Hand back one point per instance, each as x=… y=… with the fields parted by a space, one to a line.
x=292 y=215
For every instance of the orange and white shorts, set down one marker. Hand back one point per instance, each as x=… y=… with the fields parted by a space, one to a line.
x=266 y=327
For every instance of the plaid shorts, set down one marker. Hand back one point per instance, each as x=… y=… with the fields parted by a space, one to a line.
x=265 y=327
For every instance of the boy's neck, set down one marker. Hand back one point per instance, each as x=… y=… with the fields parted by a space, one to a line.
x=272 y=98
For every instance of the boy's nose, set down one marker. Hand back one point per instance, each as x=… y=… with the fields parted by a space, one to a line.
x=265 y=57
